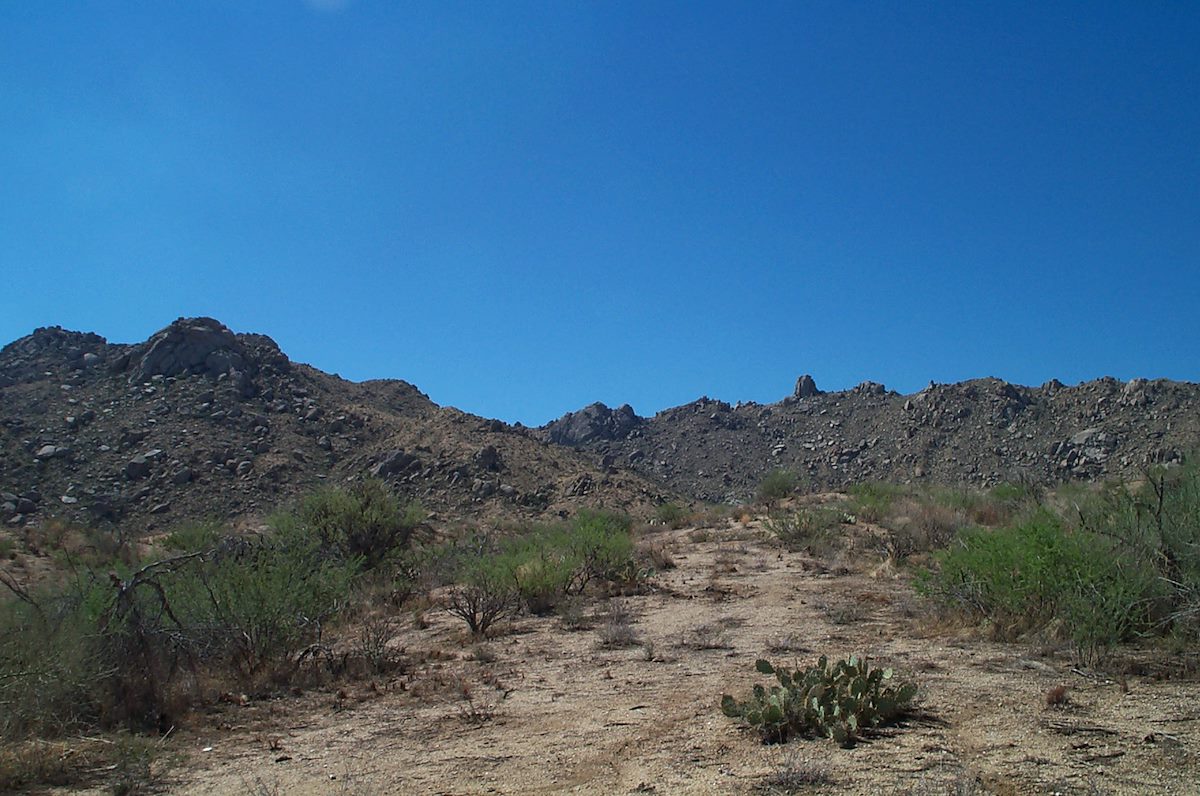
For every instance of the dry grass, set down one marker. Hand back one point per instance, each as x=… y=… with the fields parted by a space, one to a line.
x=617 y=631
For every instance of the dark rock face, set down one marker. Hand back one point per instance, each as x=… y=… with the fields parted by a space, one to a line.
x=593 y=423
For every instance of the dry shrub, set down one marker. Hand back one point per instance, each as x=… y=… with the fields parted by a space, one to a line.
x=708 y=636
x=127 y=764
x=660 y=557
x=1057 y=697
x=797 y=775
x=617 y=630
x=922 y=527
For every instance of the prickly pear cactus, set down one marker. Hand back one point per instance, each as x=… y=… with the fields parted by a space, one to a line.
x=836 y=700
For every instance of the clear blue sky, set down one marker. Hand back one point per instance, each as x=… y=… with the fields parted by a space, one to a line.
x=525 y=207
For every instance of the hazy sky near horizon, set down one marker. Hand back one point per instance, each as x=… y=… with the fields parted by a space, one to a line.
x=526 y=207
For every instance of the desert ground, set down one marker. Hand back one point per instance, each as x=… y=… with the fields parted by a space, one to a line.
x=623 y=698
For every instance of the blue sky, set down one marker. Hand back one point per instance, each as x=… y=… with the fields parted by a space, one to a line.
x=526 y=207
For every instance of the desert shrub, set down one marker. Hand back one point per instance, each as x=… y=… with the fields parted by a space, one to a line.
x=118 y=648
x=254 y=606
x=1028 y=575
x=776 y=485
x=660 y=557
x=49 y=663
x=1158 y=523
x=838 y=700
x=127 y=764
x=616 y=630
x=194 y=537
x=485 y=589
x=871 y=501
x=551 y=562
x=920 y=526
x=796 y=776
x=809 y=527
x=602 y=543
x=365 y=521
x=543 y=576
x=671 y=515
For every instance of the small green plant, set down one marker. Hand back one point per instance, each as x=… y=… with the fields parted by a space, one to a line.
x=805 y=527
x=776 y=485
x=871 y=501
x=838 y=700
x=671 y=515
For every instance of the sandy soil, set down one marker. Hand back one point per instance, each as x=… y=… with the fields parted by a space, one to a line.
x=558 y=712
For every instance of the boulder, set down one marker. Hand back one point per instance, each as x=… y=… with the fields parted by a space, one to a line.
x=190 y=346
x=595 y=422
x=865 y=388
x=394 y=463
x=488 y=458
x=806 y=387
x=137 y=468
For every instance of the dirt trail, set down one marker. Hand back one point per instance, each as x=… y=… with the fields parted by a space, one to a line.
x=569 y=716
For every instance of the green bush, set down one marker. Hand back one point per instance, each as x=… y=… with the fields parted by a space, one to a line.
x=811 y=527
x=255 y=607
x=49 y=664
x=776 y=485
x=1028 y=575
x=485 y=589
x=365 y=521
x=119 y=647
x=1158 y=523
x=871 y=501
x=537 y=567
x=838 y=700
x=671 y=515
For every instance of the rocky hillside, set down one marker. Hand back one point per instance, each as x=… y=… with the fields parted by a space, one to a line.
x=200 y=422
x=978 y=432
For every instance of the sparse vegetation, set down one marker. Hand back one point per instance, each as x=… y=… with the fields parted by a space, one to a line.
x=809 y=527
x=838 y=700
x=796 y=776
x=617 y=631
x=123 y=642
x=538 y=567
x=775 y=486
x=671 y=515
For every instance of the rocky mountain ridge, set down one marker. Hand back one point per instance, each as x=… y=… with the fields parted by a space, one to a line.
x=979 y=432
x=198 y=422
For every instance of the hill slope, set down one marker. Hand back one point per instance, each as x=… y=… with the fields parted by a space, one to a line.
x=200 y=422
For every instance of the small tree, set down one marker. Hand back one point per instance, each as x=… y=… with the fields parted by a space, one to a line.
x=776 y=485
x=365 y=521
x=486 y=590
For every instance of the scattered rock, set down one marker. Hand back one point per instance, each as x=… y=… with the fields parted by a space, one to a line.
x=395 y=462
x=137 y=468
x=488 y=458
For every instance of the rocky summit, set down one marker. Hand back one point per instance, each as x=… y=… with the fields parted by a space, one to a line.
x=978 y=432
x=198 y=422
